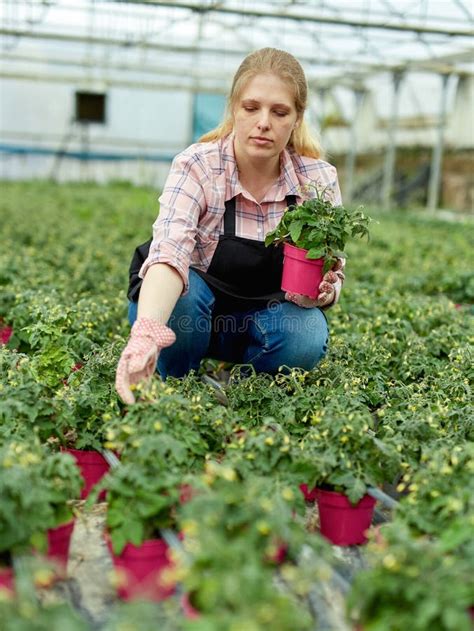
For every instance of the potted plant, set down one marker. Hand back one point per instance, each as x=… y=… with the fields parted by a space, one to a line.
x=338 y=459
x=66 y=416
x=34 y=494
x=233 y=530
x=83 y=409
x=414 y=583
x=314 y=234
x=266 y=451
x=141 y=500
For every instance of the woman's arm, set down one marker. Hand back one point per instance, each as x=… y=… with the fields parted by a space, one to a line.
x=161 y=288
x=159 y=293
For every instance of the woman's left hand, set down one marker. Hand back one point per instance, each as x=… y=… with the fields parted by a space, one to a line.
x=329 y=289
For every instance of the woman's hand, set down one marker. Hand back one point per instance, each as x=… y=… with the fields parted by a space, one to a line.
x=139 y=357
x=329 y=289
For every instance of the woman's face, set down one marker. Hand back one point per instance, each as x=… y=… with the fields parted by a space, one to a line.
x=264 y=118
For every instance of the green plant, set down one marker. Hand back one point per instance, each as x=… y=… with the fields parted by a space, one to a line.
x=190 y=426
x=31 y=615
x=414 y=584
x=235 y=533
x=320 y=227
x=87 y=399
x=266 y=450
x=141 y=500
x=30 y=607
x=440 y=494
x=26 y=407
x=35 y=487
x=342 y=451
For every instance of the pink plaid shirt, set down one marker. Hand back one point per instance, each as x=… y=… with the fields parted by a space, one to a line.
x=202 y=178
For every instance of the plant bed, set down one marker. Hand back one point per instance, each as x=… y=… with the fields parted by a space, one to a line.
x=139 y=570
x=343 y=523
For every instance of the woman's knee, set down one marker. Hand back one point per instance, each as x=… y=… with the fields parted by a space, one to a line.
x=193 y=311
x=293 y=337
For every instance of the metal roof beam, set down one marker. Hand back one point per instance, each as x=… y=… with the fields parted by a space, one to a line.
x=102 y=83
x=199 y=7
x=314 y=60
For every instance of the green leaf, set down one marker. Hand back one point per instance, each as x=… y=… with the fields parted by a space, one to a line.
x=316 y=253
x=295 y=230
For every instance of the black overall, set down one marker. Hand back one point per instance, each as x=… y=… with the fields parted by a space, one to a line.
x=243 y=273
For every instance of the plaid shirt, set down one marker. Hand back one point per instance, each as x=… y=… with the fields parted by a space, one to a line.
x=202 y=178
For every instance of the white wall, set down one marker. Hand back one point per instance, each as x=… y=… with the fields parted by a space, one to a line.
x=138 y=122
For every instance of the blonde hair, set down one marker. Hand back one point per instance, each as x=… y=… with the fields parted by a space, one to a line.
x=288 y=69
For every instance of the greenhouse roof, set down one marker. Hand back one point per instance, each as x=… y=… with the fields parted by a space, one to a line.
x=197 y=45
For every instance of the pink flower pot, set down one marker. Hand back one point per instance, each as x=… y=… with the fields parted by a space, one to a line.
x=59 y=540
x=139 y=570
x=301 y=275
x=7 y=581
x=341 y=522
x=309 y=496
x=188 y=610
x=5 y=333
x=93 y=467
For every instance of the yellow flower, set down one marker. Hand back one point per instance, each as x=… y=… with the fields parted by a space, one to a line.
x=229 y=474
x=189 y=527
x=263 y=527
x=287 y=494
x=390 y=562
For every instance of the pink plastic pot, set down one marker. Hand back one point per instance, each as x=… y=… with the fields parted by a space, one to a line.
x=93 y=467
x=59 y=540
x=7 y=581
x=301 y=275
x=309 y=496
x=341 y=522
x=5 y=333
x=188 y=610
x=139 y=569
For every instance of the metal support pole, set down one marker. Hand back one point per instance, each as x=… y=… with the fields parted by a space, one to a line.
x=389 y=168
x=352 y=151
x=321 y=110
x=195 y=79
x=436 y=159
x=85 y=150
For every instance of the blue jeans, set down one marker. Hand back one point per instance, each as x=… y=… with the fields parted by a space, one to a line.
x=281 y=334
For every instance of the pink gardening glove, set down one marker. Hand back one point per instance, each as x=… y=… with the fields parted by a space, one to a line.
x=330 y=289
x=139 y=357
